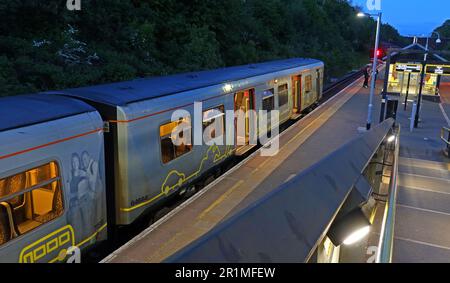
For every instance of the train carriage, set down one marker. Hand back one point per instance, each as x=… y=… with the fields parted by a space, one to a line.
x=144 y=165
x=52 y=191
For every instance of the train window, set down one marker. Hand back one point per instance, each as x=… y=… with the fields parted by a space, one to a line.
x=29 y=199
x=268 y=103
x=283 y=95
x=170 y=151
x=214 y=116
x=308 y=83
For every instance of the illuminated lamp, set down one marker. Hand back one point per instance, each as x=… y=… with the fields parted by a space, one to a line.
x=391 y=139
x=378 y=52
x=352 y=223
x=349 y=229
x=361 y=14
x=227 y=88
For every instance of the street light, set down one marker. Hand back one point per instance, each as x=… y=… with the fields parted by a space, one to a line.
x=438 y=40
x=422 y=77
x=374 y=66
x=361 y=14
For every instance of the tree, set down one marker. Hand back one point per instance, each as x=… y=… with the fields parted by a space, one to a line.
x=44 y=46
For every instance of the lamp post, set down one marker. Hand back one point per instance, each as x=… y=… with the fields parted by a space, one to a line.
x=422 y=77
x=374 y=66
x=438 y=40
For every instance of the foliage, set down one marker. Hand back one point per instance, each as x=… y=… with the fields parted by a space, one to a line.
x=444 y=32
x=44 y=46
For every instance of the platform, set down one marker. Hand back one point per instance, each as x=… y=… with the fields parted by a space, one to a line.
x=317 y=135
x=423 y=206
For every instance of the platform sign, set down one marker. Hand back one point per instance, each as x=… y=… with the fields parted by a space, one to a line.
x=443 y=70
x=409 y=68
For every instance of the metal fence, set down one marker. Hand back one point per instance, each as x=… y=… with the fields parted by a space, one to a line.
x=385 y=247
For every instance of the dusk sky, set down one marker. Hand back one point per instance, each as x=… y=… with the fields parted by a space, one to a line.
x=413 y=17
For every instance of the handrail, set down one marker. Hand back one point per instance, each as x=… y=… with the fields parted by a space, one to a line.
x=446 y=140
x=387 y=231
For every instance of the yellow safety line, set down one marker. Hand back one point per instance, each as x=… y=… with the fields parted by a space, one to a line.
x=220 y=199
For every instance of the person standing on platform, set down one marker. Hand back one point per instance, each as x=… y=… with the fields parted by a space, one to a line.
x=366 y=77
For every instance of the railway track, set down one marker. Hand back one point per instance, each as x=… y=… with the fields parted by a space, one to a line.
x=127 y=234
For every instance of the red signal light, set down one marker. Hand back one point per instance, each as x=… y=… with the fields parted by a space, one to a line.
x=379 y=53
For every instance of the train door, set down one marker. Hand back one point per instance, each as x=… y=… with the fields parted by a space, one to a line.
x=318 y=85
x=245 y=102
x=296 y=95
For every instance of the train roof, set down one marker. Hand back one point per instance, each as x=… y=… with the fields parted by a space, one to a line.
x=24 y=110
x=122 y=93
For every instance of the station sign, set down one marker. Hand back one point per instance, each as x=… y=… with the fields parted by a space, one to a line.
x=409 y=68
x=443 y=70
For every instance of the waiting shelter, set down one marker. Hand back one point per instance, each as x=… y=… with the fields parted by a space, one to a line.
x=405 y=72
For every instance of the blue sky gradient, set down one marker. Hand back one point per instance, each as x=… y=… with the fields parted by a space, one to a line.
x=412 y=17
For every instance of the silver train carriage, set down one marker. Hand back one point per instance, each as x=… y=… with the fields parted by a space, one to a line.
x=125 y=139
x=52 y=189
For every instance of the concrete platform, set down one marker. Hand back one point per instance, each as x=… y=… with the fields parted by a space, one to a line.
x=308 y=141
x=423 y=206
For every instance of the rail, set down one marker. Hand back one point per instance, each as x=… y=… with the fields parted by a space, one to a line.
x=388 y=224
x=331 y=89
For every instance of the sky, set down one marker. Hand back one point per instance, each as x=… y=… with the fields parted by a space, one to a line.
x=412 y=17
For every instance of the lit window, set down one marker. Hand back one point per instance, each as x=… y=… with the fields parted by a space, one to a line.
x=28 y=200
x=283 y=95
x=214 y=117
x=170 y=151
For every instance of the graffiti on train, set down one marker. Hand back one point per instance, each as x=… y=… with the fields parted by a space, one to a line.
x=86 y=206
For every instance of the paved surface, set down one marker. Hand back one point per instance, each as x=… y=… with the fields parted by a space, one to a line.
x=422 y=231
x=307 y=142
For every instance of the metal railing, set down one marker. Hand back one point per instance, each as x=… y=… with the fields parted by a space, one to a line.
x=385 y=247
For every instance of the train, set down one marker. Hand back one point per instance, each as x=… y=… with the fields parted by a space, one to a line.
x=76 y=164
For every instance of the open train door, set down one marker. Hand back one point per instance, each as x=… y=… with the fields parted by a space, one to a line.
x=296 y=96
x=244 y=101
